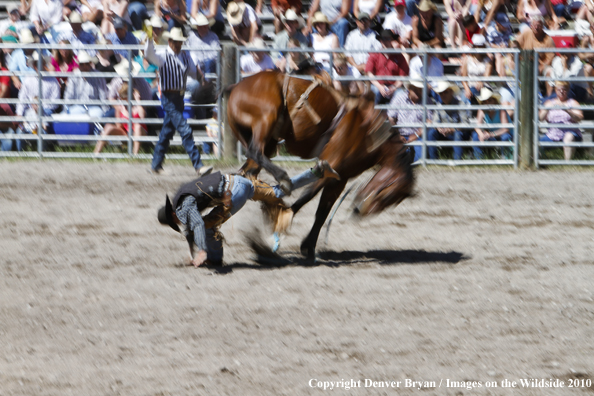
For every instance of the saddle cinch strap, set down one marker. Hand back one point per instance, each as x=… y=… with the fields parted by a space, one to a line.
x=303 y=101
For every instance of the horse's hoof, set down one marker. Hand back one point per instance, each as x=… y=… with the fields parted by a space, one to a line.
x=286 y=186
x=308 y=252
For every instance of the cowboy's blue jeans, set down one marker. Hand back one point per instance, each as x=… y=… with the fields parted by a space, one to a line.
x=173 y=107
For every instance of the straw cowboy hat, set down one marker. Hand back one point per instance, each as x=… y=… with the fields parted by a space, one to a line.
x=291 y=15
x=426 y=5
x=201 y=20
x=235 y=13
x=442 y=86
x=122 y=68
x=75 y=17
x=26 y=37
x=319 y=17
x=176 y=34
x=487 y=93
x=84 y=57
x=155 y=22
x=414 y=83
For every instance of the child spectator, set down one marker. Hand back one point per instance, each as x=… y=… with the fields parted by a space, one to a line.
x=470 y=28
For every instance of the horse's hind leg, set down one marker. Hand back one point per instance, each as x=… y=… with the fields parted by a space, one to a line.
x=329 y=196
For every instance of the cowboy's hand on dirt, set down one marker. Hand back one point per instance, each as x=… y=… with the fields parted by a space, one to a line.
x=199 y=259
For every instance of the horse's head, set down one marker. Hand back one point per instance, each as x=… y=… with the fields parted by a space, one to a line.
x=392 y=183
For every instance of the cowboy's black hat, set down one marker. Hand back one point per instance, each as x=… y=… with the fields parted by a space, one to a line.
x=165 y=215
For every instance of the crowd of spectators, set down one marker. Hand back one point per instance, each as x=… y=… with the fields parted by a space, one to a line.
x=360 y=27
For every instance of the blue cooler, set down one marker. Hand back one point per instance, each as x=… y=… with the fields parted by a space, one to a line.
x=71 y=128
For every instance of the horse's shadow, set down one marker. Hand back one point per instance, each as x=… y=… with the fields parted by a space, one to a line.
x=267 y=260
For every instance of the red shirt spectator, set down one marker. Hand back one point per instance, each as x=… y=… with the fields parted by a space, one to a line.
x=387 y=65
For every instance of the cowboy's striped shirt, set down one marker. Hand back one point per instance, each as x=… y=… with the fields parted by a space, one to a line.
x=173 y=69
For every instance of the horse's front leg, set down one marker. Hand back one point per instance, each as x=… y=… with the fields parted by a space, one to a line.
x=329 y=196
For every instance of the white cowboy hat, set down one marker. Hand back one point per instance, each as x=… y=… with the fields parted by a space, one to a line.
x=84 y=57
x=155 y=21
x=291 y=15
x=122 y=68
x=487 y=93
x=478 y=40
x=201 y=20
x=235 y=13
x=75 y=17
x=319 y=17
x=442 y=86
x=11 y=7
x=426 y=5
x=26 y=37
x=257 y=43
x=176 y=34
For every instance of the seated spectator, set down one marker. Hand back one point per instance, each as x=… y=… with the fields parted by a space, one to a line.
x=29 y=93
x=13 y=21
x=343 y=69
x=447 y=96
x=173 y=11
x=64 y=61
x=584 y=20
x=500 y=31
x=476 y=64
x=107 y=59
x=323 y=39
x=427 y=27
x=256 y=61
x=211 y=10
x=362 y=39
x=279 y=10
x=212 y=131
x=122 y=37
x=138 y=83
x=83 y=89
x=486 y=117
x=537 y=38
x=6 y=110
x=77 y=36
x=299 y=62
x=405 y=109
x=292 y=23
x=158 y=30
x=371 y=8
x=562 y=116
x=122 y=129
x=434 y=68
x=527 y=10
x=456 y=11
x=245 y=24
x=471 y=27
x=204 y=44
x=567 y=65
x=399 y=22
x=16 y=61
x=386 y=65
x=336 y=12
x=115 y=10
x=91 y=10
x=505 y=64
x=45 y=15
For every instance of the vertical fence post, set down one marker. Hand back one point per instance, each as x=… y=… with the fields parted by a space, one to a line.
x=129 y=105
x=526 y=132
x=228 y=77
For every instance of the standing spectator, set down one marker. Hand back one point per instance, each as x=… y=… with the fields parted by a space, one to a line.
x=291 y=22
x=336 y=11
x=562 y=116
x=256 y=61
x=486 y=117
x=122 y=37
x=323 y=39
x=363 y=39
x=399 y=22
x=205 y=45
x=447 y=96
x=391 y=65
x=244 y=22
x=211 y=10
x=404 y=110
x=427 y=27
x=280 y=8
x=476 y=65
x=537 y=38
x=13 y=20
x=29 y=92
x=77 y=36
x=174 y=67
x=83 y=89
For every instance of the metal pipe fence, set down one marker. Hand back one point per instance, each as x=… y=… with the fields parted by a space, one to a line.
x=540 y=127
x=427 y=105
x=36 y=133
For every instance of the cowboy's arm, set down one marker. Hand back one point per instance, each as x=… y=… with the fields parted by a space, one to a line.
x=193 y=69
x=188 y=214
x=151 y=55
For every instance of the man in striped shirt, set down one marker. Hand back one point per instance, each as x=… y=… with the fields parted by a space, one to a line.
x=174 y=67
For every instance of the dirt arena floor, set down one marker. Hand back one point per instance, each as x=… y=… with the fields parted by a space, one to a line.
x=485 y=276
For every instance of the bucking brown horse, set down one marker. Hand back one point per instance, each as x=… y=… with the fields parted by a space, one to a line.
x=317 y=121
